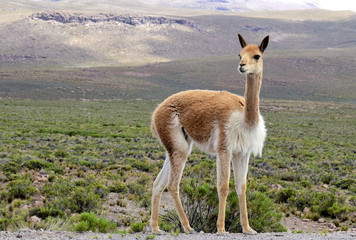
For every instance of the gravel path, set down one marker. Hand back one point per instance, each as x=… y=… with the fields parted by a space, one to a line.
x=32 y=234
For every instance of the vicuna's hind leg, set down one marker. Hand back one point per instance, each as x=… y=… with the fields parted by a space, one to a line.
x=158 y=186
x=177 y=165
x=240 y=167
x=178 y=147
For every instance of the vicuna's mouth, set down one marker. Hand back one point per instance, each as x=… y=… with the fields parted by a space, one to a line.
x=242 y=70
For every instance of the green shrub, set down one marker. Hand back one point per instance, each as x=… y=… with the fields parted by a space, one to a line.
x=83 y=200
x=291 y=177
x=118 y=187
x=99 y=189
x=40 y=164
x=46 y=211
x=137 y=226
x=313 y=215
x=90 y=218
x=263 y=215
x=324 y=201
x=337 y=211
x=305 y=183
x=105 y=226
x=170 y=221
x=151 y=236
x=352 y=200
x=345 y=183
x=324 y=204
x=10 y=168
x=82 y=227
x=136 y=189
x=61 y=153
x=143 y=165
x=285 y=194
x=61 y=187
x=4 y=222
x=328 y=178
x=12 y=223
x=21 y=189
x=82 y=196
x=81 y=183
x=89 y=221
x=36 y=164
x=167 y=224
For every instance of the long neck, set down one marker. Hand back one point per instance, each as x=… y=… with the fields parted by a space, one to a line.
x=252 y=92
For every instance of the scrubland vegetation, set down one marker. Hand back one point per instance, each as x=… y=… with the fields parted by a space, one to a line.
x=72 y=164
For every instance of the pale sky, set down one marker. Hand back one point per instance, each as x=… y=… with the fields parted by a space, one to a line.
x=337 y=4
x=330 y=4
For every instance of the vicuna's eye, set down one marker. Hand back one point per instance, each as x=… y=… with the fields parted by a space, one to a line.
x=256 y=57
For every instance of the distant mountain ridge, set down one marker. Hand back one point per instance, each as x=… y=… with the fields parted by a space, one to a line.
x=238 y=5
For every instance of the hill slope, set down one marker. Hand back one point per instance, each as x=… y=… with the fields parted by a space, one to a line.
x=128 y=50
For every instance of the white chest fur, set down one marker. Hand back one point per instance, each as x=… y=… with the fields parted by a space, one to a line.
x=242 y=138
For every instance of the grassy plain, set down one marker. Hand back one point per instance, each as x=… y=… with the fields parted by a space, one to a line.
x=64 y=158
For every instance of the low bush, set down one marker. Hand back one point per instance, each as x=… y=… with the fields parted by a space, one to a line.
x=345 y=183
x=137 y=189
x=100 y=190
x=285 y=195
x=61 y=187
x=47 y=211
x=328 y=178
x=40 y=164
x=83 y=200
x=21 y=189
x=10 y=223
x=137 y=226
x=82 y=226
x=89 y=221
x=143 y=165
x=169 y=221
x=61 y=153
x=10 y=168
x=118 y=187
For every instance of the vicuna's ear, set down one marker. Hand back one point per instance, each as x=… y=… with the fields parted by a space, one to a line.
x=242 y=41
x=264 y=44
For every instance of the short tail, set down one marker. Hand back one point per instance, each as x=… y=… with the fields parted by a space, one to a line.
x=154 y=130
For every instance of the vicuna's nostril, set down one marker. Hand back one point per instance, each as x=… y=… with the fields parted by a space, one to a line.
x=242 y=64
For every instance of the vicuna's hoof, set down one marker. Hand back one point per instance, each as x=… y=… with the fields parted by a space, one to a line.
x=159 y=232
x=192 y=232
x=250 y=232
x=223 y=233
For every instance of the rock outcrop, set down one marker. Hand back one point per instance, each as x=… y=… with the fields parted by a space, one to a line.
x=64 y=17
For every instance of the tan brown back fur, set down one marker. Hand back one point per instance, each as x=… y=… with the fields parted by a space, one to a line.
x=197 y=111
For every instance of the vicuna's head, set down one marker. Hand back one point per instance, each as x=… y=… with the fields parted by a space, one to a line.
x=251 y=56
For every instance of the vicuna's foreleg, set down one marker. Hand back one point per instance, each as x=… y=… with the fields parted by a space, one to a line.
x=223 y=176
x=177 y=165
x=240 y=167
